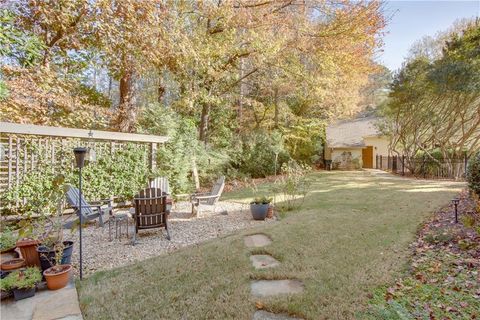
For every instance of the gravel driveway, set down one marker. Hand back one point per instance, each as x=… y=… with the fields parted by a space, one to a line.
x=99 y=253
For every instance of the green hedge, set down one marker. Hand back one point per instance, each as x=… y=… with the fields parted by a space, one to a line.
x=473 y=173
x=120 y=174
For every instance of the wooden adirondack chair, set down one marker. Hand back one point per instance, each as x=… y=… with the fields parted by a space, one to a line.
x=89 y=210
x=208 y=198
x=150 y=211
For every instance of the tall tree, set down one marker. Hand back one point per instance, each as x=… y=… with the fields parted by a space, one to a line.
x=128 y=35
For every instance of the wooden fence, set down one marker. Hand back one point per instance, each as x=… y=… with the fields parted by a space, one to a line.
x=24 y=147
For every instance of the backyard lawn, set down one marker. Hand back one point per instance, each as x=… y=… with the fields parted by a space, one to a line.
x=350 y=236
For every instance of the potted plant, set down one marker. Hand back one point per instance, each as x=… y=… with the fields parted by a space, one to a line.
x=57 y=276
x=53 y=250
x=259 y=207
x=23 y=283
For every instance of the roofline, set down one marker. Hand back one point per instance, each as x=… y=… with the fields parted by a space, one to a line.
x=346 y=147
x=30 y=129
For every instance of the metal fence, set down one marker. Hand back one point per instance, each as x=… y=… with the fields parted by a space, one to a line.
x=424 y=167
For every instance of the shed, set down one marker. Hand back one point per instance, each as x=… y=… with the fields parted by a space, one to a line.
x=355 y=144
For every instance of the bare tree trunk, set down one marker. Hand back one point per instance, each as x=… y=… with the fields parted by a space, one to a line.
x=204 y=119
x=277 y=111
x=110 y=84
x=126 y=112
x=95 y=76
x=242 y=91
x=160 y=89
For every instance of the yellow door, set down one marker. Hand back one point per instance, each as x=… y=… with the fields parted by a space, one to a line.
x=367 y=157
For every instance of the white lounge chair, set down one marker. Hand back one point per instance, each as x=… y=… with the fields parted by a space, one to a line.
x=199 y=200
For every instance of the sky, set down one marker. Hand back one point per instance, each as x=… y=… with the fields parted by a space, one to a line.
x=412 y=20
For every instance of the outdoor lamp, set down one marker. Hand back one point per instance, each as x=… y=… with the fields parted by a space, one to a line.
x=455 y=202
x=80 y=153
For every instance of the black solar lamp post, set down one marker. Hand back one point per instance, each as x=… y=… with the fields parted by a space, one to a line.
x=455 y=202
x=80 y=154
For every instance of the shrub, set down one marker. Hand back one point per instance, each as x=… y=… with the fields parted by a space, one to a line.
x=25 y=279
x=304 y=140
x=473 y=173
x=258 y=152
x=7 y=239
x=121 y=173
x=293 y=185
x=175 y=158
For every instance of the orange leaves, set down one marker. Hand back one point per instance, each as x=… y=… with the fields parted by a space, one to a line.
x=40 y=97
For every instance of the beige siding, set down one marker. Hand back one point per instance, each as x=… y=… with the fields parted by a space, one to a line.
x=380 y=146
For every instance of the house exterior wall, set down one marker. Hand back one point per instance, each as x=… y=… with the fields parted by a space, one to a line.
x=346 y=158
x=380 y=146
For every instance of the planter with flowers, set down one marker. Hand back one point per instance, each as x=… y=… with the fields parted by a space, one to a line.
x=259 y=207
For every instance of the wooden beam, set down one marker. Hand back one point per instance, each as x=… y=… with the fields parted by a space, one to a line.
x=28 y=129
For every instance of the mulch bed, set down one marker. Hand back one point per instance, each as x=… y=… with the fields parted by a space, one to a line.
x=443 y=281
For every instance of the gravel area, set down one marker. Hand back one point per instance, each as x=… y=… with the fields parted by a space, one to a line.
x=99 y=253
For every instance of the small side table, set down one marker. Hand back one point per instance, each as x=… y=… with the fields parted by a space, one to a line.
x=118 y=219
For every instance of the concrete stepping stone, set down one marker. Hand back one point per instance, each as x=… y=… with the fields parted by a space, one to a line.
x=264 y=261
x=264 y=315
x=257 y=240
x=265 y=288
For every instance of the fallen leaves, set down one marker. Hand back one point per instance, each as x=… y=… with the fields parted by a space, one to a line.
x=444 y=277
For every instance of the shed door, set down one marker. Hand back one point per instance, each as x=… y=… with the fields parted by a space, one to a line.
x=367 y=157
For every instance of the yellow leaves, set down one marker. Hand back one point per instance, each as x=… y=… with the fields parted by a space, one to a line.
x=39 y=96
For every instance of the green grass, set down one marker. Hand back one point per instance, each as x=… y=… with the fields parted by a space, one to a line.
x=350 y=237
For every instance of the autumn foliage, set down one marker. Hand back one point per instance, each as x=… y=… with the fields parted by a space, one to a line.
x=247 y=57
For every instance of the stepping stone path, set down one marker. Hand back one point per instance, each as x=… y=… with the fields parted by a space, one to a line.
x=264 y=315
x=264 y=261
x=265 y=288
x=257 y=240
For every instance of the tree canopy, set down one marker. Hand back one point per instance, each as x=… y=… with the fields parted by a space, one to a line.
x=229 y=67
x=435 y=99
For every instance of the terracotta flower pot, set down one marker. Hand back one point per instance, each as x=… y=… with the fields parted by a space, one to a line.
x=57 y=276
x=270 y=212
x=28 y=250
x=12 y=264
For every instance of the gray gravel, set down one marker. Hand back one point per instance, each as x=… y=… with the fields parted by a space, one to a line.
x=101 y=254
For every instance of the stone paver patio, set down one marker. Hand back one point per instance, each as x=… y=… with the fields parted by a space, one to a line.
x=59 y=304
